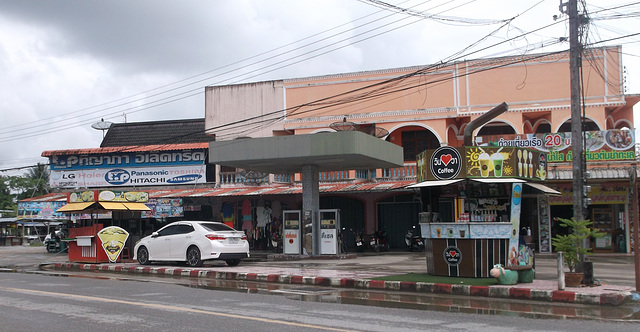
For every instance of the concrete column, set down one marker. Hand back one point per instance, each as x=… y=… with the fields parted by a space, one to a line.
x=311 y=202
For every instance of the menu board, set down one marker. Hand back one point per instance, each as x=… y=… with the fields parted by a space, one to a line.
x=544 y=225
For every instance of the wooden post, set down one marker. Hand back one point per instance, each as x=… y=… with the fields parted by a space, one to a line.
x=560 y=270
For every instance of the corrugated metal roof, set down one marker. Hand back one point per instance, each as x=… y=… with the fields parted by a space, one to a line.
x=252 y=191
x=50 y=197
x=594 y=173
x=154 y=132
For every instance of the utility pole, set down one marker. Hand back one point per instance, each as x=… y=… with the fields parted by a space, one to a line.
x=575 y=50
x=577 y=140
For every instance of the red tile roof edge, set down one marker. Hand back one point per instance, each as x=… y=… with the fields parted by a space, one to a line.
x=123 y=149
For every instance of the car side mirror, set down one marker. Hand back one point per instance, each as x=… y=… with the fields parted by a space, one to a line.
x=155 y=234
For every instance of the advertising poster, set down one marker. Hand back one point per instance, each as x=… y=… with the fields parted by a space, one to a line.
x=113 y=177
x=164 y=208
x=113 y=240
x=516 y=207
x=509 y=162
x=41 y=210
x=544 y=225
x=602 y=145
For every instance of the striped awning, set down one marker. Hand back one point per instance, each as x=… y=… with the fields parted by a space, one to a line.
x=102 y=206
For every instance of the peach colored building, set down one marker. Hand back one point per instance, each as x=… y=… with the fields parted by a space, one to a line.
x=425 y=107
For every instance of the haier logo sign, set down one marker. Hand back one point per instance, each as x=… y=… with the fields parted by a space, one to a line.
x=117 y=176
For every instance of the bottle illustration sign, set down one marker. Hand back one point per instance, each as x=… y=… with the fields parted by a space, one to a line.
x=113 y=240
x=498 y=162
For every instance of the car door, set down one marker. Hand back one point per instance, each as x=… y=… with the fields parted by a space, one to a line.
x=160 y=246
x=180 y=242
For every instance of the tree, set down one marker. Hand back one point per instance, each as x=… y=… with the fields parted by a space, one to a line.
x=570 y=244
x=6 y=201
x=39 y=176
x=34 y=183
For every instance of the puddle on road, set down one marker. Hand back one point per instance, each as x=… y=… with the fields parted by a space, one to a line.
x=391 y=299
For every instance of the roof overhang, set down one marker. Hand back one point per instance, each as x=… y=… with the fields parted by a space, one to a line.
x=102 y=206
x=498 y=180
x=434 y=183
x=543 y=188
x=329 y=151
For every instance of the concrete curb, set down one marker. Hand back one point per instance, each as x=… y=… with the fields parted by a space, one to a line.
x=515 y=293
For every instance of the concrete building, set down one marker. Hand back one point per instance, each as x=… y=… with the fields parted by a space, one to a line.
x=418 y=108
x=422 y=108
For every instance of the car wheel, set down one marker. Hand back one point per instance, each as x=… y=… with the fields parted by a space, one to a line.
x=143 y=256
x=233 y=262
x=193 y=257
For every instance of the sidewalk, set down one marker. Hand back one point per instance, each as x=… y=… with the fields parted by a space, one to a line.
x=353 y=271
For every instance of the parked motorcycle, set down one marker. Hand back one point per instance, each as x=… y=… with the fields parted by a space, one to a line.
x=359 y=242
x=379 y=241
x=413 y=240
x=276 y=242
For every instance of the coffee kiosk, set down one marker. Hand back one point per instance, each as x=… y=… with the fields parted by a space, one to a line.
x=92 y=242
x=472 y=201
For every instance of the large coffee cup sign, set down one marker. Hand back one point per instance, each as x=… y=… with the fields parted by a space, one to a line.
x=446 y=163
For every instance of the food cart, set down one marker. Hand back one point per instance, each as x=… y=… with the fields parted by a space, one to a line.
x=472 y=202
x=94 y=243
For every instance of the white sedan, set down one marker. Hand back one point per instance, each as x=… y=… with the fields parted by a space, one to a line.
x=193 y=242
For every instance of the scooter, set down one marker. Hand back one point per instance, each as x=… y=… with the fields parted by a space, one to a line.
x=413 y=240
x=276 y=242
x=359 y=242
x=379 y=241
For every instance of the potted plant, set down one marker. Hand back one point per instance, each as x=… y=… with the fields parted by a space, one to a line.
x=571 y=246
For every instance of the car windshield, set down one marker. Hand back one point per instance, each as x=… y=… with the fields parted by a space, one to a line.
x=214 y=227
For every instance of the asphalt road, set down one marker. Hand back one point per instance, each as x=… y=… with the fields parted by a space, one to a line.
x=30 y=302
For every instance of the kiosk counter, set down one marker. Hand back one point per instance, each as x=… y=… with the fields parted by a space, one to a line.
x=472 y=198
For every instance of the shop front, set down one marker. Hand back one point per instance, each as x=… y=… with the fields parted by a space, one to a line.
x=472 y=201
x=92 y=242
x=608 y=211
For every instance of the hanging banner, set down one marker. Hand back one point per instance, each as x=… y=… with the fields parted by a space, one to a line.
x=604 y=145
x=516 y=207
x=164 y=208
x=41 y=210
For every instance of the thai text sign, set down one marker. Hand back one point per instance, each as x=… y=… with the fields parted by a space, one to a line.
x=609 y=193
x=128 y=159
x=605 y=145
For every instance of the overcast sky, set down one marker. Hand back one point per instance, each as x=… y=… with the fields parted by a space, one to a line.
x=67 y=64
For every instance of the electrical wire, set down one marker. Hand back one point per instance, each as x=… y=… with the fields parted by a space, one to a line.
x=352 y=99
x=191 y=93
